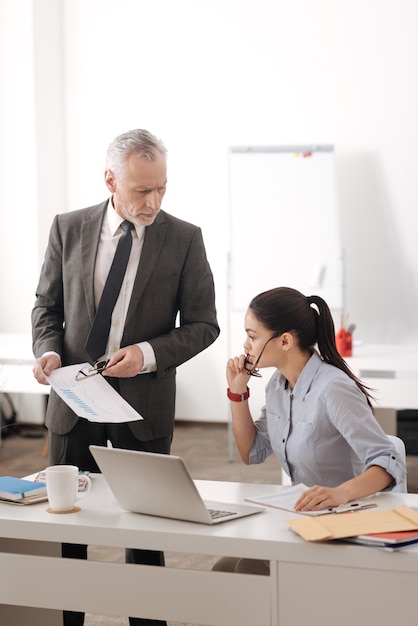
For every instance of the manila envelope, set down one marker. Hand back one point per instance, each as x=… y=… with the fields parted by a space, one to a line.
x=340 y=525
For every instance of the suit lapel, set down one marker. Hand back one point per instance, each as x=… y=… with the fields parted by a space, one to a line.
x=90 y=236
x=153 y=242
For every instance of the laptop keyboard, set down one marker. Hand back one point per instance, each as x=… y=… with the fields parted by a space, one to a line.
x=216 y=513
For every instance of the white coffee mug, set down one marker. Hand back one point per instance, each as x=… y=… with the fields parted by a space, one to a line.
x=62 y=487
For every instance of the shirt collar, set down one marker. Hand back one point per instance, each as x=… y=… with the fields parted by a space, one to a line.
x=306 y=376
x=115 y=220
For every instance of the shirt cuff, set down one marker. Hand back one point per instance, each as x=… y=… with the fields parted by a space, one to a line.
x=150 y=362
x=50 y=352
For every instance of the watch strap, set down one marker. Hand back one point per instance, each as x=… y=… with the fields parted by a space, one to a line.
x=238 y=397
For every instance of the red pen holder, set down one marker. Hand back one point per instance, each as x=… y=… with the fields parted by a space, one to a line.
x=344 y=342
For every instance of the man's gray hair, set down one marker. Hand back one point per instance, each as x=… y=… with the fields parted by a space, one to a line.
x=138 y=141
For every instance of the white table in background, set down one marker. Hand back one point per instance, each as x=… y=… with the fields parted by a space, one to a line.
x=16 y=364
x=392 y=373
x=309 y=583
x=16 y=376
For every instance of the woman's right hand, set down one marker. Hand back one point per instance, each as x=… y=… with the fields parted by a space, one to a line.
x=236 y=374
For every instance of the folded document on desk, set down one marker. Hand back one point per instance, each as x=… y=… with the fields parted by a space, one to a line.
x=337 y=526
x=286 y=499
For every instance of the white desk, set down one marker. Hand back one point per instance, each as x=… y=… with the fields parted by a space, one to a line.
x=308 y=583
x=389 y=364
x=16 y=377
x=16 y=348
x=16 y=365
x=392 y=373
x=19 y=378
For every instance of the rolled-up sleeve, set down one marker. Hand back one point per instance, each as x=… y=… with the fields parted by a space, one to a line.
x=393 y=463
x=350 y=413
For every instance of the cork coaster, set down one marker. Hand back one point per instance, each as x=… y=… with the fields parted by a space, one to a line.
x=74 y=510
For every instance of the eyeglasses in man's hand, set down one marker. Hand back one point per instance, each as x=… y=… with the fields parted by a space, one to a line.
x=97 y=368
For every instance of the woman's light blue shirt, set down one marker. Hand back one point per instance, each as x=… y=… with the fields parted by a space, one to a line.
x=323 y=432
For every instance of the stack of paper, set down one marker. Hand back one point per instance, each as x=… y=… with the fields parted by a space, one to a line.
x=394 y=540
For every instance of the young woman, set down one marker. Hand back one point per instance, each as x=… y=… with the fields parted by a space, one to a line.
x=317 y=418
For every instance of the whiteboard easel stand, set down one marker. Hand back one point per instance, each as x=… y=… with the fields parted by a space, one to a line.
x=228 y=299
x=269 y=185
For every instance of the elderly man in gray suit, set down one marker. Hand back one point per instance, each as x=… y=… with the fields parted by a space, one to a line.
x=167 y=278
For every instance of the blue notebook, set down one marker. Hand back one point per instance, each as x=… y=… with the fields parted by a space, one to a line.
x=15 y=489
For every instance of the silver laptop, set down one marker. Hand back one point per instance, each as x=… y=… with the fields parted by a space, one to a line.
x=160 y=484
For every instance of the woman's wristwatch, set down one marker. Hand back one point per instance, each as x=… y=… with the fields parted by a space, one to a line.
x=238 y=397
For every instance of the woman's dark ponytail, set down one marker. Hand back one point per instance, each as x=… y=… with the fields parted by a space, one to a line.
x=326 y=342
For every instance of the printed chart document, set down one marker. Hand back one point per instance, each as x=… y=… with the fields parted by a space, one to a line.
x=287 y=497
x=91 y=397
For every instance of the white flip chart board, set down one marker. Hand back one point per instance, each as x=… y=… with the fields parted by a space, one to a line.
x=284 y=227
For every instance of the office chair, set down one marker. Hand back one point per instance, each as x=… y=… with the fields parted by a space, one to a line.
x=400 y=447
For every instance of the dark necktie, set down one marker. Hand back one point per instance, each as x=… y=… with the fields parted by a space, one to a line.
x=99 y=332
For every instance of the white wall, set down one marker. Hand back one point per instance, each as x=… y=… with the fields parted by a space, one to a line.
x=18 y=217
x=207 y=74
x=32 y=148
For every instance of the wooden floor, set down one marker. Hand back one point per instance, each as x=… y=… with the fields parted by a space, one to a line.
x=209 y=455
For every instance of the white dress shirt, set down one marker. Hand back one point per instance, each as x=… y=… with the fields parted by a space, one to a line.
x=108 y=242
x=323 y=432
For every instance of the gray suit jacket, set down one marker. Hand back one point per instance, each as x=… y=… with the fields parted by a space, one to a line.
x=173 y=276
